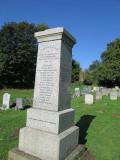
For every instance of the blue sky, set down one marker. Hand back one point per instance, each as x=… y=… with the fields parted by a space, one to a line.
x=93 y=23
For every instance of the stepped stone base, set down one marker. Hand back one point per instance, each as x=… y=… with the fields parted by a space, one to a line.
x=46 y=145
x=16 y=154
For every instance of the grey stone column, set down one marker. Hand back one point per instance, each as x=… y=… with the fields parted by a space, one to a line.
x=50 y=133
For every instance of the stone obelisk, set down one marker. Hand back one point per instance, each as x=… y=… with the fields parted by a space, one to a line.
x=50 y=133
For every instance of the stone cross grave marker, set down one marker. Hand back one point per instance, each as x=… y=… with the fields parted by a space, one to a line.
x=6 y=101
x=88 y=99
x=50 y=133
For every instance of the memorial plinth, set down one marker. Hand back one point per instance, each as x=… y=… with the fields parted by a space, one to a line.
x=50 y=133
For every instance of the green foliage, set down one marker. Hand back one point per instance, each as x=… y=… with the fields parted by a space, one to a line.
x=18 y=52
x=75 y=71
x=111 y=64
x=106 y=72
x=92 y=74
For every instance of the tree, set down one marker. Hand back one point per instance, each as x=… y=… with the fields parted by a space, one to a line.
x=18 y=52
x=92 y=74
x=111 y=64
x=75 y=71
x=106 y=72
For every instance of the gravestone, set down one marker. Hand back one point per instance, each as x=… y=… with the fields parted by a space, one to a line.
x=97 y=89
x=117 y=88
x=85 y=90
x=50 y=133
x=88 y=99
x=113 y=95
x=98 y=95
x=118 y=94
x=104 y=91
x=19 y=103
x=6 y=101
x=109 y=90
x=94 y=88
x=77 y=92
x=89 y=89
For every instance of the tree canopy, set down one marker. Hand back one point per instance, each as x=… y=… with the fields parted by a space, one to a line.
x=107 y=71
x=18 y=51
x=75 y=70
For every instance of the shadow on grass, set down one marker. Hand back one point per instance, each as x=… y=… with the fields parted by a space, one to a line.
x=83 y=125
x=13 y=105
x=26 y=107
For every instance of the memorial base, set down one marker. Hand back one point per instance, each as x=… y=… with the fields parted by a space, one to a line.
x=16 y=154
x=47 y=145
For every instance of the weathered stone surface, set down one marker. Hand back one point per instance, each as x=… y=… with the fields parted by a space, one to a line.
x=45 y=145
x=16 y=154
x=55 y=122
x=53 y=72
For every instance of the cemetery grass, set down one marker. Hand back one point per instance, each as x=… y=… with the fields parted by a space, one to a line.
x=99 y=125
x=11 y=121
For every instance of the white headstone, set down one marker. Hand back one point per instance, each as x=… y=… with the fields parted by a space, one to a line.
x=113 y=95
x=77 y=92
x=94 y=88
x=6 y=101
x=89 y=99
x=117 y=88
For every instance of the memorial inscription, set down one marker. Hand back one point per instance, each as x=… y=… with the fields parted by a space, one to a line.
x=46 y=75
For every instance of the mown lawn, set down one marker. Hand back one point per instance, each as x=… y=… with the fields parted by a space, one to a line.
x=99 y=125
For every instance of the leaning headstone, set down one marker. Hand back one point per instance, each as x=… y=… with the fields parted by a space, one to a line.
x=19 y=103
x=113 y=95
x=98 y=95
x=50 y=133
x=6 y=101
x=88 y=99
x=77 y=92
